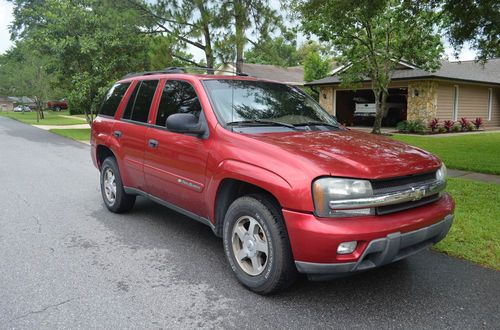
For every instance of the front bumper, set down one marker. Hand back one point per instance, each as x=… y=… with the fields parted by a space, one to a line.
x=393 y=247
x=314 y=241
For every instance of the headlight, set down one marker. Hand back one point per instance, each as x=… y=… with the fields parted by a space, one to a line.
x=327 y=189
x=441 y=173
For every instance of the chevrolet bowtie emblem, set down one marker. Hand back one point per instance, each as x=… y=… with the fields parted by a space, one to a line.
x=418 y=193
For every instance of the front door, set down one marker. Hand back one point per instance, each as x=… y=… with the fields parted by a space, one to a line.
x=130 y=131
x=174 y=163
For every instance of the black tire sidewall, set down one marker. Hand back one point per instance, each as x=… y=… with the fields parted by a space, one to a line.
x=248 y=206
x=111 y=163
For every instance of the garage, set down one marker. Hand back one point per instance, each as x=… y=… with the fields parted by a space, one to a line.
x=357 y=108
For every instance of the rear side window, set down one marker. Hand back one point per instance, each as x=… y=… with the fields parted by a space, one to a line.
x=140 y=101
x=177 y=97
x=112 y=99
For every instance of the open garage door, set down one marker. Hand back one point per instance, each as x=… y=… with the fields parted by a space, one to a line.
x=357 y=108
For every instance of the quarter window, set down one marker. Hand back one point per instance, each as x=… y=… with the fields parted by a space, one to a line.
x=112 y=99
x=177 y=97
x=140 y=101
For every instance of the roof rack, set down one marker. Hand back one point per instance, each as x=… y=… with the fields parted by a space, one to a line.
x=171 y=70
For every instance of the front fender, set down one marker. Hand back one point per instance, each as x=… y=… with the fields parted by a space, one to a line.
x=289 y=197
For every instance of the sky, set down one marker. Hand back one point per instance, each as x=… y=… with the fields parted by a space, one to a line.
x=6 y=18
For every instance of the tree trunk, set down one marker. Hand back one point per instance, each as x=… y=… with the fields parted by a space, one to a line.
x=380 y=101
x=209 y=54
x=239 y=34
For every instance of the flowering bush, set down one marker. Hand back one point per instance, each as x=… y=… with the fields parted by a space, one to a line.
x=433 y=125
x=464 y=123
x=478 y=122
x=448 y=125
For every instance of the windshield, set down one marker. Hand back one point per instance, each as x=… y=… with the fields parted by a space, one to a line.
x=260 y=103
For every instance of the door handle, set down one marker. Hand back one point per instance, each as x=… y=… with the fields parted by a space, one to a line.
x=117 y=134
x=153 y=143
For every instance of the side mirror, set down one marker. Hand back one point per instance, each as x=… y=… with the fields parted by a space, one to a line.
x=185 y=123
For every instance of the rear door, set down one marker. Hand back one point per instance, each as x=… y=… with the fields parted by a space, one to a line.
x=130 y=132
x=175 y=163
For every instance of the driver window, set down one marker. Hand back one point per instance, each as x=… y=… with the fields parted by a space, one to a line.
x=177 y=97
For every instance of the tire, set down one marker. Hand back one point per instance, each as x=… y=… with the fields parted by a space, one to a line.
x=276 y=269
x=122 y=202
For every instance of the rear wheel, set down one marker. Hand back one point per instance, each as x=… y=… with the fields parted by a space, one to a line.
x=113 y=194
x=257 y=246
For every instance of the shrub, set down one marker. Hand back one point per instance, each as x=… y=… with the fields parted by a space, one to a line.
x=442 y=130
x=455 y=128
x=464 y=123
x=478 y=122
x=411 y=126
x=433 y=125
x=448 y=125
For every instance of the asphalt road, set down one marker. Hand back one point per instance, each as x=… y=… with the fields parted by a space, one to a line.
x=66 y=262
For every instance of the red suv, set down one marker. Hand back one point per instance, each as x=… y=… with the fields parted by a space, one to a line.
x=287 y=188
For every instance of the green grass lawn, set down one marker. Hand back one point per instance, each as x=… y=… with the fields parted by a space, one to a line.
x=475 y=233
x=51 y=118
x=473 y=152
x=80 y=134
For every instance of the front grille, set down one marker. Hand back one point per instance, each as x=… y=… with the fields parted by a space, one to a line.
x=392 y=185
x=384 y=186
x=405 y=206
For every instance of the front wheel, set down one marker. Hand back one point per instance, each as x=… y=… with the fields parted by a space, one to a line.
x=257 y=246
x=113 y=194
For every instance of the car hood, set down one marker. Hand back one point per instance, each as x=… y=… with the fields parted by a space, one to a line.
x=350 y=153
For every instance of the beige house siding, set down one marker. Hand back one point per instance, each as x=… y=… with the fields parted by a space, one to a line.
x=472 y=102
x=495 y=109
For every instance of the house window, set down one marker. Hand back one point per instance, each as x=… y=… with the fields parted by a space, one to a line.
x=455 y=103
x=490 y=102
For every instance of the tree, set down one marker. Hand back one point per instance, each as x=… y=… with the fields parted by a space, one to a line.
x=473 y=21
x=274 y=51
x=315 y=67
x=372 y=36
x=184 y=21
x=24 y=72
x=163 y=52
x=91 y=43
x=248 y=17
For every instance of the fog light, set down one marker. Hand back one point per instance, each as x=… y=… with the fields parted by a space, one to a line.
x=347 y=247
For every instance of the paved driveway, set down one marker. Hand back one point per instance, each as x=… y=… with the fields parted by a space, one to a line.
x=66 y=262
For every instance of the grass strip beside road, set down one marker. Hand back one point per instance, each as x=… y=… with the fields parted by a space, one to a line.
x=473 y=152
x=78 y=134
x=475 y=233
x=51 y=118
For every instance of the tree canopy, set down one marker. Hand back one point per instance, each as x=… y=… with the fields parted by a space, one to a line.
x=476 y=22
x=371 y=37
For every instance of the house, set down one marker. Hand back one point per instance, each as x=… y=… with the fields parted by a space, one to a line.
x=457 y=89
x=292 y=75
x=6 y=104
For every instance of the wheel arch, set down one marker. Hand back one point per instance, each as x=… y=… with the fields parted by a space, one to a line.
x=237 y=179
x=102 y=152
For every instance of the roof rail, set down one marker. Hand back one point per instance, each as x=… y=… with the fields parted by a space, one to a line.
x=171 y=70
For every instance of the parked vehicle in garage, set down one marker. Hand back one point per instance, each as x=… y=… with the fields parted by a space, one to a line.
x=58 y=105
x=394 y=111
x=287 y=188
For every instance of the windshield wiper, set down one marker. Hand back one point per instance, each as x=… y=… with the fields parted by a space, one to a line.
x=316 y=123
x=260 y=122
